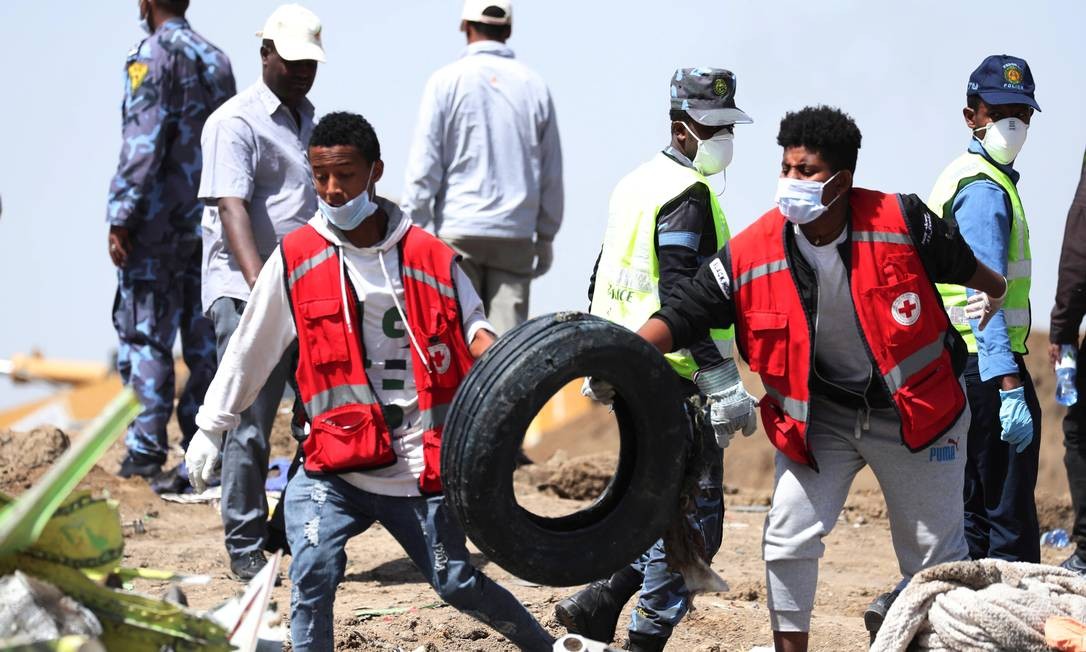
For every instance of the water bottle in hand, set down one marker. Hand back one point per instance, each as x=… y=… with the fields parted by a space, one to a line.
x=1066 y=392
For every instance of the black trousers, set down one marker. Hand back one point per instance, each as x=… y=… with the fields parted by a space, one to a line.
x=1000 y=512
x=1074 y=458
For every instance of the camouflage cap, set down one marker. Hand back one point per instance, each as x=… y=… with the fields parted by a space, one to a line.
x=707 y=95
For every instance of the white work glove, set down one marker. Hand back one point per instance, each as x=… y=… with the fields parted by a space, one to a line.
x=731 y=407
x=599 y=391
x=982 y=306
x=201 y=456
x=544 y=256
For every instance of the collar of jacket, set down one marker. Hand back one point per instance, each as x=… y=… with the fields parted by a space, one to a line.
x=496 y=48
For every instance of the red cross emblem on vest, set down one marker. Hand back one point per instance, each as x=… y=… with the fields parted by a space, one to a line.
x=906 y=309
x=440 y=357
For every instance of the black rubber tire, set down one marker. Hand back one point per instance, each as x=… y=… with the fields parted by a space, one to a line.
x=491 y=412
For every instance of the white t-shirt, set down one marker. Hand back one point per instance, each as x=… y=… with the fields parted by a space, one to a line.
x=840 y=354
x=267 y=329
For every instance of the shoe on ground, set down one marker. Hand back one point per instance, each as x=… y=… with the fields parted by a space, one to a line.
x=135 y=464
x=246 y=565
x=1075 y=564
x=591 y=612
x=646 y=642
x=876 y=612
x=174 y=481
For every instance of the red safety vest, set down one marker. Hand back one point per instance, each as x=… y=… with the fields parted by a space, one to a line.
x=348 y=431
x=901 y=320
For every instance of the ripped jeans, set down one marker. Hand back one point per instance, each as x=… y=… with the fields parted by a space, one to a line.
x=323 y=512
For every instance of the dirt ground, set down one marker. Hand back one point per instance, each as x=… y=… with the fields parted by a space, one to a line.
x=571 y=465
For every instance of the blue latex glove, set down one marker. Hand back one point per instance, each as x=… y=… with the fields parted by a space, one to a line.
x=1016 y=419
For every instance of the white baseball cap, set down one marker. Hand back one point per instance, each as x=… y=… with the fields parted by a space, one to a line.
x=473 y=12
x=296 y=32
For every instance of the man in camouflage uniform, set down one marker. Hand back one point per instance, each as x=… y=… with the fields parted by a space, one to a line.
x=174 y=80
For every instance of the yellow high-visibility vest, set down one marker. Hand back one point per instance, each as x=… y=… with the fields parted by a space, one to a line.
x=628 y=275
x=965 y=169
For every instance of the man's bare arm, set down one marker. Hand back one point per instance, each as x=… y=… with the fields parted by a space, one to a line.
x=656 y=332
x=237 y=228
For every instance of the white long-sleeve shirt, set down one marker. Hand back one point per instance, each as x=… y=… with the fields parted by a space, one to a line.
x=486 y=159
x=267 y=329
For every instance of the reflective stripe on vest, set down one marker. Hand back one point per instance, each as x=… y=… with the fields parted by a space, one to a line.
x=423 y=277
x=760 y=271
x=307 y=265
x=958 y=174
x=434 y=417
x=337 y=397
x=628 y=274
x=880 y=236
x=793 y=407
x=896 y=377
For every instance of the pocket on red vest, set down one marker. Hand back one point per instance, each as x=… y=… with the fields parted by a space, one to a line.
x=768 y=347
x=348 y=438
x=896 y=312
x=782 y=431
x=930 y=404
x=325 y=331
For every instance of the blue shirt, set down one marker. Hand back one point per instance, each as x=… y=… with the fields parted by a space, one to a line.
x=174 y=79
x=983 y=212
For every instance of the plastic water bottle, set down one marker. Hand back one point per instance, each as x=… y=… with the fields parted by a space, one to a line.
x=1057 y=538
x=1066 y=392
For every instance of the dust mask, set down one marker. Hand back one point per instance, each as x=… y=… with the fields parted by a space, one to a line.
x=1003 y=139
x=714 y=154
x=801 y=201
x=350 y=215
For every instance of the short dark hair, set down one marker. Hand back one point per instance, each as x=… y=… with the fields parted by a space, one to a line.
x=343 y=128
x=678 y=115
x=973 y=101
x=830 y=132
x=173 y=6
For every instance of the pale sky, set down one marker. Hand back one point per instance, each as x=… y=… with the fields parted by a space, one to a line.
x=899 y=68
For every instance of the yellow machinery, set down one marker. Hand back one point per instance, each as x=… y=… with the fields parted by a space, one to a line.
x=85 y=388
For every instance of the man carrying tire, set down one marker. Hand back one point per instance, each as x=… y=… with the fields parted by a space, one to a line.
x=664 y=221
x=832 y=297
x=387 y=327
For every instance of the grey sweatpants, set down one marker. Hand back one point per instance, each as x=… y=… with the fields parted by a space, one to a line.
x=246 y=448
x=922 y=492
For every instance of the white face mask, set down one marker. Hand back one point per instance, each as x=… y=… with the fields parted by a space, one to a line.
x=350 y=215
x=1003 y=139
x=801 y=201
x=714 y=154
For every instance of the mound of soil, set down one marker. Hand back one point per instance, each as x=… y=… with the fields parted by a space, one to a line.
x=22 y=454
x=582 y=478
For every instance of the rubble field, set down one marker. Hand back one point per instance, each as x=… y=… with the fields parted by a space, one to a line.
x=572 y=466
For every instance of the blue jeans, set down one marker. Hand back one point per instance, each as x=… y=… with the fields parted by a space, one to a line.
x=323 y=512
x=664 y=597
x=246 y=448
